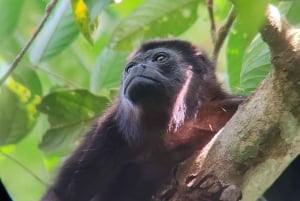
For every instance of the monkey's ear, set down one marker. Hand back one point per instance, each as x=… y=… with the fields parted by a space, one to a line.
x=214 y=115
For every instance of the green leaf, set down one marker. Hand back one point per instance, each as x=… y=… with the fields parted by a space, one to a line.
x=10 y=12
x=221 y=9
x=107 y=72
x=154 y=18
x=25 y=76
x=256 y=65
x=251 y=14
x=61 y=140
x=123 y=8
x=29 y=78
x=238 y=41
x=70 y=114
x=96 y=7
x=247 y=25
x=59 y=31
x=293 y=15
x=17 y=112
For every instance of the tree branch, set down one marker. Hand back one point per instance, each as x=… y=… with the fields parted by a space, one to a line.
x=223 y=33
x=19 y=57
x=210 y=9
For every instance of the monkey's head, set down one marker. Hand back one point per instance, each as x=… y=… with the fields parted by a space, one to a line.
x=168 y=72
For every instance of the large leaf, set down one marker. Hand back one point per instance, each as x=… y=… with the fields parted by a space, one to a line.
x=70 y=113
x=251 y=14
x=221 y=9
x=154 y=18
x=17 y=112
x=10 y=12
x=60 y=30
x=108 y=69
x=238 y=41
x=56 y=35
x=247 y=25
x=256 y=65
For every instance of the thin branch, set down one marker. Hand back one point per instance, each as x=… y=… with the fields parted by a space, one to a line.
x=19 y=57
x=24 y=167
x=210 y=8
x=223 y=33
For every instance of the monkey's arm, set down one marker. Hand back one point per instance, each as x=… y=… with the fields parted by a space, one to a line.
x=92 y=167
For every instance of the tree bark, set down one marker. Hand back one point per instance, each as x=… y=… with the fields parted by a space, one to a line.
x=260 y=140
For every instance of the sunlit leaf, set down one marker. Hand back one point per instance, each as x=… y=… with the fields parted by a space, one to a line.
x=221 y=9
x=251 y=14
x=248 y=24
x=83 y=20
x=237 y=43
x=17 y=112
x=154 y=18
x=256 y=65
x=70 y=114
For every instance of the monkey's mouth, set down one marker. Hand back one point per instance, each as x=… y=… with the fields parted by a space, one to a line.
x=141 y=86
x=142 y=79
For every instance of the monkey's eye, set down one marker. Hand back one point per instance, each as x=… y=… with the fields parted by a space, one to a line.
x=160 y=57
x=129 y=67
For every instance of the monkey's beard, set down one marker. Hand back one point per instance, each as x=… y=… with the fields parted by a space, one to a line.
x=129 y=122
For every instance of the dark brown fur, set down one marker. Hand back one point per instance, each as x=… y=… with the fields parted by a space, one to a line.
x=169 y=105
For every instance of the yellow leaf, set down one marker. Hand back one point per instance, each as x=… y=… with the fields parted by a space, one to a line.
x=82 y=18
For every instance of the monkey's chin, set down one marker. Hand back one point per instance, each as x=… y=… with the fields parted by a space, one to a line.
x=142 y=89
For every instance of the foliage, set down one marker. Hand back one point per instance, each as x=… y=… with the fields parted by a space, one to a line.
x=64 y=83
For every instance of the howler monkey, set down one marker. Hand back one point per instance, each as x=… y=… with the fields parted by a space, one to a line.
x=170 y=104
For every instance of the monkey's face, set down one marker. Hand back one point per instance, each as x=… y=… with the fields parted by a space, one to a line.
x=168 y=73
x=153 y=76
